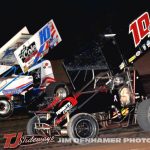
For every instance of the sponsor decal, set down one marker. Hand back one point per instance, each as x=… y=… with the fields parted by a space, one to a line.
x=64 y=109
x=28 y=52
x=140 y=30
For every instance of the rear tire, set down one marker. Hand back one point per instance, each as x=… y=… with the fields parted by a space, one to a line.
x=6 y=108
x=57 y=90
x=82 y=126
x=143 y=115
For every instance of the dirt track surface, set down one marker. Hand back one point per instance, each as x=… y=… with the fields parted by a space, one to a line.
x=18 y=124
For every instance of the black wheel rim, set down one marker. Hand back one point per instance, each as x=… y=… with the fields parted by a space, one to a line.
x=83 y=128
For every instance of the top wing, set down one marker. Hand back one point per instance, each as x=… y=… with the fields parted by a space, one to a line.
x=37 y=46
x=7 y=56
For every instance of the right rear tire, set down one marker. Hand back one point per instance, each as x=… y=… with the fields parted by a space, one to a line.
x=143 y=115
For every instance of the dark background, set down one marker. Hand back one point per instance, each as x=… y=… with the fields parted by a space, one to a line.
x=78 y=21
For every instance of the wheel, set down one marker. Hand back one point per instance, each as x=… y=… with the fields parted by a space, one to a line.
x=6 y=108
x=31 y=124
x=82 y=126
x=57 y=90
x=143 y=115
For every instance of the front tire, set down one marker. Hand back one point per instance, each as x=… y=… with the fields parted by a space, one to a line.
x=143 y=115
x=6 y=108
x=82 y=126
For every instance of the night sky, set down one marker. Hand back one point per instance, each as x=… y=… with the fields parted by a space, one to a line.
x=78 y=21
